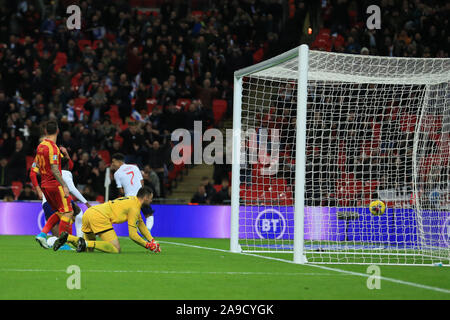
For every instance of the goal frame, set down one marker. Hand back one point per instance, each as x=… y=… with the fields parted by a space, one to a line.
x=303 y=75
x=299 y=204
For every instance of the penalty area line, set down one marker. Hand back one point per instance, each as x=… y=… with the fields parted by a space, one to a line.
x=341 y=271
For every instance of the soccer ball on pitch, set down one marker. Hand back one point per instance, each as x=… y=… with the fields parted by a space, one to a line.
x=51 y=241
x=377 y=207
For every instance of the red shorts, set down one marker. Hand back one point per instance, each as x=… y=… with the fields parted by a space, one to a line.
x=55 y=197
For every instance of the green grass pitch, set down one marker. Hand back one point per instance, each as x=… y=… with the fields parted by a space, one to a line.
x=192 y=272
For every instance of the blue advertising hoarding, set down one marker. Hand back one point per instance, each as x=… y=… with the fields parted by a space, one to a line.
x=396 y=227
x=27 y=218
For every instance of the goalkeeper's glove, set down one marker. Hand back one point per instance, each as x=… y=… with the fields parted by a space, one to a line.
x=153 y=246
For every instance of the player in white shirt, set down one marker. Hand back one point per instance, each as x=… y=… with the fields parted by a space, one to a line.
x=128 y=179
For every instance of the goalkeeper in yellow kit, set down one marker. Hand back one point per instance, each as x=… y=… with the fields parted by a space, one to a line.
x=98 y=221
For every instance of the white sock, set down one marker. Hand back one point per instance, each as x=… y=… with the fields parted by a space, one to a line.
x=78 y=224
x=149 y=223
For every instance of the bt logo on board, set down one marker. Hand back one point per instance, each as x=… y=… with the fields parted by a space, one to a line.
x=270 y=224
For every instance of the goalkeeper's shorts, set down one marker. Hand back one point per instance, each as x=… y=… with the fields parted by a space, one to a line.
x=94 y=221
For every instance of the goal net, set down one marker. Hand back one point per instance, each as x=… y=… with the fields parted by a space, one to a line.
x=309 y=159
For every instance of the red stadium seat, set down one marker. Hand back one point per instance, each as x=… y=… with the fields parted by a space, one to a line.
x=76 y=81
x=338 y=41
x=348 y=190
x=40 y=46
x=197 y=13
x=118 y=138
x=16 y=188
x=347 y=176
x=279 y=185
x=80 y=102
x=84 y=43
x=264 y=180
x=370 y=187
x=95 y=44
x=342 y=158
x=323 y=40
x=258 y=55
x=249 y=196
x=104 y=154
x=219 y=109
x=113 y=113
x=60 y=61
x=111 y=37
x=30 y=160
x=124 y=126
x=79 y=106
x=407 y=122
x=171 y=177
x=258 y=188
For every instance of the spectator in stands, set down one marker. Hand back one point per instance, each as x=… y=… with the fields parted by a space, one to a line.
x=151 y=179
x=115 y=148
x=224 y=194
x=98 y=177
x=176 y=50
x=82 y=169
x=209 y=188
x=186 y=89
x=150 y=133
x=97 y=105
x=94 y=158
x=89 y=193
x=157 y=158
x=18 y=163
x=106 y=134
x=27 y=194
x=201 y=197
x=68 y=142
x=132 y=141
x=166 y=95
x=221 y=170
x=8 y=145
x=225 y=92
x=9 y=197
x=206 y=93
x=5 y=179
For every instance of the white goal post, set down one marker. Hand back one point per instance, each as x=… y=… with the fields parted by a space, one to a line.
x=318 y=136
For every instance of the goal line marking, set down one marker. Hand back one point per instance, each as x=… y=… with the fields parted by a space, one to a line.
x=341 y=271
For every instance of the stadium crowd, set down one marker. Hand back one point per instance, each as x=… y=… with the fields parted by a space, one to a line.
x=122 y=58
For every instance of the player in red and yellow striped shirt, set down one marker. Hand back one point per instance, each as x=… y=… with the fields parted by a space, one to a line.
x=54 y=188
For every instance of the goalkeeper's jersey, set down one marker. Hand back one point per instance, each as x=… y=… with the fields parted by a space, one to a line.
x=121 y=209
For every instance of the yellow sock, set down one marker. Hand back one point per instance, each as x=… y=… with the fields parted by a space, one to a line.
x=102 y=246
x=72 y=239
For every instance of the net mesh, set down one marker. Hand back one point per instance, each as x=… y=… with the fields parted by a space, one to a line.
x=376 y=129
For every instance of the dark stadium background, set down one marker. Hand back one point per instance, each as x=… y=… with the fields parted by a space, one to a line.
x=184 y=54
